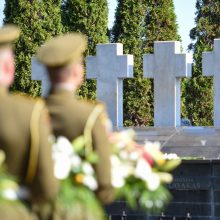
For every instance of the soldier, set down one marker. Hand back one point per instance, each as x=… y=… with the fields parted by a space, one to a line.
x=62 y=57
x=24 y=133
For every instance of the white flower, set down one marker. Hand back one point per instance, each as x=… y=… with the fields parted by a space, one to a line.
x=75 y=161
x=118 y=181
x=118 y=176
x=171 y=156
x=87 y=168
x=62 y=167
x=134 y=156
x=63 y=146
x=9 y=194
x=143 y=170
x=63 y=156
x=90 y=182
x=153 y=182
x=120 y=171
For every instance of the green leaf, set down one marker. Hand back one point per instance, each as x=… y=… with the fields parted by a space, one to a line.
x=170 y=165
x=92 y=158
x=79 y=143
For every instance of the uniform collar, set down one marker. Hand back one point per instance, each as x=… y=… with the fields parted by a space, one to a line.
x=3 y=90
x=65 y=86
x=61 y=91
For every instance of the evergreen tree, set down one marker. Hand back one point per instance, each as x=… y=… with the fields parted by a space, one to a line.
x=161 y=23
x=138 y=24
x=91 y=19
x=128 y=29
x=39 y=21
x=198 y=91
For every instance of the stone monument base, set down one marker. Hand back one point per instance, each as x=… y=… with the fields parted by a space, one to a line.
x=196 y=186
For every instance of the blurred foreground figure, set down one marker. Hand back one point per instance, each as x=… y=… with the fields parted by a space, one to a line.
x=24 y=137
x=63 y=58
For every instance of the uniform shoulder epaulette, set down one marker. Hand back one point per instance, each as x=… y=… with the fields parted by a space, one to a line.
x=35 y=137
x=97 y=111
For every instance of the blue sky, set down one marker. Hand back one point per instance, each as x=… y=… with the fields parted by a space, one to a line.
x=185 y=11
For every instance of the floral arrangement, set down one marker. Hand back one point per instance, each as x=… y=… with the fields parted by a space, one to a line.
x=140 y=173
x=74 y=167
x=10 y=192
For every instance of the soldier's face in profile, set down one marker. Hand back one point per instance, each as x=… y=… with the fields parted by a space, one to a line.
x=78 y=72
x=7 y=67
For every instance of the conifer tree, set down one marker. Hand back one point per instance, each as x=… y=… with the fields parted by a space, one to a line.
x=161 y=24
x=198 y=91
x=91 y=19
x=38 y=21
x=138 y=24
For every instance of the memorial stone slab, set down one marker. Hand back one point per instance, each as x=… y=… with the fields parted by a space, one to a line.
x=109 y=67
x=39 y=73
x=167 y=66
x=211 y=67
x=196 y=185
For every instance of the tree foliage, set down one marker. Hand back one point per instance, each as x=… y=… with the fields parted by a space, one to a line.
x=161 y=24
x=198 y=91
x=38 y=21
x=91 y=19
x=138 y=24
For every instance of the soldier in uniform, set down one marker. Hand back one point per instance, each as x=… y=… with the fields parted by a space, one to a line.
x=63 y=58
x=24 y=133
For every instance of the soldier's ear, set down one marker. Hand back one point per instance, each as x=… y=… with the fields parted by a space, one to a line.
x=8 y=70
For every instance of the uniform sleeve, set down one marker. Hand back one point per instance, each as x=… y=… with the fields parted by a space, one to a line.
x=45 y=185
x=103 y=169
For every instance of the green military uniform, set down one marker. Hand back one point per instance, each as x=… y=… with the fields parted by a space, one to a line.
x=69 y=115
x=24 y=133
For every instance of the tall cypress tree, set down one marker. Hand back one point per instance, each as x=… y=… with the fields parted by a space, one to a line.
x=128 y=29
x=198 y=91
x=138 y=24
x=161 y=24
x=91 y=19
x=39 y=21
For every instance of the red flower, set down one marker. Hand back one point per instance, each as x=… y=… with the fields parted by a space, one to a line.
x=148 y=158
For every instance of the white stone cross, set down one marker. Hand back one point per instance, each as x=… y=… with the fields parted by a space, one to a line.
x=110 y=67
x=39 y=73
x=211 y=67
x=167 y=66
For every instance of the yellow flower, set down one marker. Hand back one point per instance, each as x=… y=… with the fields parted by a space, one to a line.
x=153 y=148
x=79 y=178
